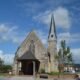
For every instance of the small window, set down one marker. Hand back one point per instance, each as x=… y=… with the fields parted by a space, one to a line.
x=51 y=35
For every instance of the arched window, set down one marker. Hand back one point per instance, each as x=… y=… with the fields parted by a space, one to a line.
x=32 y=46
x=49 y=56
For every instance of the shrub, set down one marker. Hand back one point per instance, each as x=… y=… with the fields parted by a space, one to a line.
x=54 y=73
x=42 y=70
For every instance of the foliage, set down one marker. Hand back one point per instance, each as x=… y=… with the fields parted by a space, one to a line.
x=1 y=62
x=54 y=73
x=42 y=71
x=64 y=55
x=5 y=68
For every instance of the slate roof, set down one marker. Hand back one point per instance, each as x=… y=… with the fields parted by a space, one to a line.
x=27 y=56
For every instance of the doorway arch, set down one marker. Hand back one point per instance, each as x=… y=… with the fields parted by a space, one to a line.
x=27 y=67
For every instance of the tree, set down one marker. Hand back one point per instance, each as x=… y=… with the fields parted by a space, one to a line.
x=64 y=55
x=60 y=61
x=1 y=62
x=4 y=68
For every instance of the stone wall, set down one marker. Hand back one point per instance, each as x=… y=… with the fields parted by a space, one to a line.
x=40 y=50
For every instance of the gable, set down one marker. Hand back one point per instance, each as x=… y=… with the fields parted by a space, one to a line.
x=39 y=47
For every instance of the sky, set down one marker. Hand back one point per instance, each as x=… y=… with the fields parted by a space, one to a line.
x=19 y=17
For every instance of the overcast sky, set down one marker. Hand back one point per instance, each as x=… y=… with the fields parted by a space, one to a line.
x=19 y=17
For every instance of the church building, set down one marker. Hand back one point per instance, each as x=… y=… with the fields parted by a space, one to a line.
x=32 y=50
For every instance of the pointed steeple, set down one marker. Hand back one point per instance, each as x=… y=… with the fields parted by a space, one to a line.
x=52 y=31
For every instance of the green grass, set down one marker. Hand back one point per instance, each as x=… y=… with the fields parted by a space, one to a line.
x=54 y=73
x=4 y=74
x=58 y=73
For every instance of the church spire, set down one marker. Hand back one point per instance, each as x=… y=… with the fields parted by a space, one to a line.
x=52 y=31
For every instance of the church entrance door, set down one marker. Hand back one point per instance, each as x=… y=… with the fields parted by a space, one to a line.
x=27 y=67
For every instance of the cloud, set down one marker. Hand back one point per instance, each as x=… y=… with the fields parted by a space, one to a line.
x=64 y=36
x=76 y=55
x=34 y=7
x=70 y=38
x=43 y=17
x=42 y=36
x=3 y=29
x=10 y=33
x=61 y=16
x=7 y=58
x=1 y=54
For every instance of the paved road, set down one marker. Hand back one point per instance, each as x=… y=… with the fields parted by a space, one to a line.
x=29 y=78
